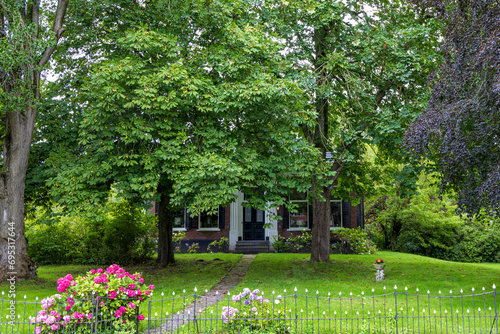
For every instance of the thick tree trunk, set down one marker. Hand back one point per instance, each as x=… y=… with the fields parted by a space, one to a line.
x=165 y=223
x=14 y=260
x=320 y=247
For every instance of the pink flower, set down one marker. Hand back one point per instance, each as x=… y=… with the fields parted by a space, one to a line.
x=138 y=292
x=140 y=317
x=38 y=330
x=132 y=286
x=50 y=320
x=68 y=307
x=54 y=313
x=112 y=294
x=97 y=280
x=123 y=309
x=68 y=277
x=89 y=316
x=106 y=287
x=101 y=303
x=131 y=293
x=92 y=271
x=118 y=314
x=67 y=318
x=121 y=288
x=141 y=280
x=132 y=277
x=55 y=327
x=131 y=305
x=100 y=271
x=151 y=287
x=147 y=292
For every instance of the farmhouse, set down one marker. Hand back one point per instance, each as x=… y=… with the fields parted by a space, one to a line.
x=244 y=227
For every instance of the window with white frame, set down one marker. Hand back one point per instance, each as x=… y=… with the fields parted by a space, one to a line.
x=208 y=221
x=335 y=214
x=300 y=218
x=179 y=220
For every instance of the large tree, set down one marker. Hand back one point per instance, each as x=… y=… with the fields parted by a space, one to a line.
x=189 y=113
x=363 y=66
x=26 y=45
x=459 y=132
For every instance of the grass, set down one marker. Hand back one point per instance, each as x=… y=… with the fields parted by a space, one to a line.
x=199 y=270
x=355 y=273
x=276 y=272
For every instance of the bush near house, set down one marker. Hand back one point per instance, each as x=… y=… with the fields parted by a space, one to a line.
x=345 y=241
x=118 y=233
x=428 y=225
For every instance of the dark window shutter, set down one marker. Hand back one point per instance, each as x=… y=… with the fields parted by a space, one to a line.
x=311 y=217
x=192 y=222
x=360 y=214
x=286 y=216
x=222 y=216
x=346 y=214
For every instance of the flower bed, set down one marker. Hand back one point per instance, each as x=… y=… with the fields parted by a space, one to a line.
x=110 y=297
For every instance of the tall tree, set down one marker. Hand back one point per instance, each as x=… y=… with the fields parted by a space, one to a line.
x=190 y=113
x=26 y=46
x=459 y=132
x=364 y=75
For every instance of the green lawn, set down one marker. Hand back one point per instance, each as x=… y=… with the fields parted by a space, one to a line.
x=275 y=272
x=355 y=273
x=191 y=270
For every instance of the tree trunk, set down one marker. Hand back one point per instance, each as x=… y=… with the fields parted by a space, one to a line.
x=14 y=260
x=165 y=222
x=320 y=247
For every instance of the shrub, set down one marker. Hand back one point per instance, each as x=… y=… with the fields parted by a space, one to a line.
x=55 y=239
x=193 y=248
x=356 y=239
x=177 y=237
x=118 y=232
x=99 y=296
x=221 y=245
x=247 y=307
x=292 y=244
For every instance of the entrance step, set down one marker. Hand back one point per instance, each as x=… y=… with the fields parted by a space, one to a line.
x=252 y=246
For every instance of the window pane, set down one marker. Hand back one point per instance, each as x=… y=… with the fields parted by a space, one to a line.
x=299 y=219
x=248 y=215
x=298 y=196
x=209 y=221
x=335 y=214
x=259 y=216
x=179 y=219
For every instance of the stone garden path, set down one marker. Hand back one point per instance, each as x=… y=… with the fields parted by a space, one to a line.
x=217 y=293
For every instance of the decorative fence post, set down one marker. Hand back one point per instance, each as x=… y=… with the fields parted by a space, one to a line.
x=496 y=311
x=396 y=306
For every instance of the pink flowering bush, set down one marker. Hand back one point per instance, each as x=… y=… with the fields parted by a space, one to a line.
x=114 y=293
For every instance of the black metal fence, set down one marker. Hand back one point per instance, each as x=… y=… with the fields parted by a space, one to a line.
x=85 y=315
x=394 y=311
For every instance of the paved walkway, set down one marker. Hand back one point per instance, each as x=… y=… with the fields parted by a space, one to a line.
x=217 y=293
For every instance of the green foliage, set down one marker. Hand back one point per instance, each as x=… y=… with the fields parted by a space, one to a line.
x=356 y=239
x=177 y=237
x=193 y=248
x=292 y=244
x=221 y=245
x=128 y=233
x=119 y=232
x=426 y=224
x=478 y=240
x=55 y=239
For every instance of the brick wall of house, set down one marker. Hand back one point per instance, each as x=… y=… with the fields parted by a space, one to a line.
x=194 y=234
x=353 y=222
